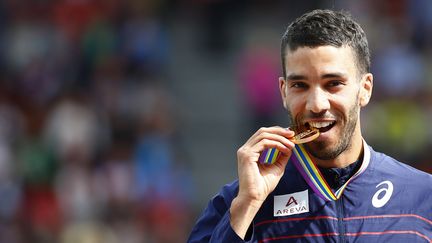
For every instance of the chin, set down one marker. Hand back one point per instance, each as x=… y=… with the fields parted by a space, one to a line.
x=324 y=150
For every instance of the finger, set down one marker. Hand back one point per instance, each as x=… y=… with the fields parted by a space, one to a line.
x=285 y=132
x=282 y=160
x=272 y=136
x=269 y=143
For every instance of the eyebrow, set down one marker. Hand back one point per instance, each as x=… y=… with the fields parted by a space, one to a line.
x=333 y=75
x=295 y=77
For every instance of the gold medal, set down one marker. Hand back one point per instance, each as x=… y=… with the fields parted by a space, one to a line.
x=306 y=136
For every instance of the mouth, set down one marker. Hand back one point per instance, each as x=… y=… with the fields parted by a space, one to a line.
x=322 y=126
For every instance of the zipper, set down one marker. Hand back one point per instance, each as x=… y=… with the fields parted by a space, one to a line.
x=341 y=223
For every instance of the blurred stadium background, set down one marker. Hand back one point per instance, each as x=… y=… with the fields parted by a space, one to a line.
x=120 y=119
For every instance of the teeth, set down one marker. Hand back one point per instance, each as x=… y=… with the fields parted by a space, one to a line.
x=320 y=124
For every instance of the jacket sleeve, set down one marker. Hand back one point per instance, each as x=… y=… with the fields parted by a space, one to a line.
x=214 y=223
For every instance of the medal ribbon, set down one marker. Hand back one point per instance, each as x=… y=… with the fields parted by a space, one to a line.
x=313 y=176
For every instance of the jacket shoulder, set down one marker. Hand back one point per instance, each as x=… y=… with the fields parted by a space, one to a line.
x=384 y=164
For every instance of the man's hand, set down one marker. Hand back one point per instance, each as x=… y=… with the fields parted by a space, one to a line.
x=257 y=181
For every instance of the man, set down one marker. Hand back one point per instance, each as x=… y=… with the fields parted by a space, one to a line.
x=349 y=192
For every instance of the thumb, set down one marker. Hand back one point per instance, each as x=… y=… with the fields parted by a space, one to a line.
x=282 y=161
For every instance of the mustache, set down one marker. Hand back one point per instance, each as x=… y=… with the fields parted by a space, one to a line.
x=322 y=115
x=310 y=116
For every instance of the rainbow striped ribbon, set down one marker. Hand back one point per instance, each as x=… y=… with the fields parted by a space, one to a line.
x=313 y=176
x=269 y=156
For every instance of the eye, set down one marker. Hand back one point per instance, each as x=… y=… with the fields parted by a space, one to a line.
x=334 y=83
x=299 y=85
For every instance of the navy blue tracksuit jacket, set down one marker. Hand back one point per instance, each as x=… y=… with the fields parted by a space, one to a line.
x=388 y=202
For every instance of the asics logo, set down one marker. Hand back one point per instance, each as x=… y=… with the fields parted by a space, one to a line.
x=382 y=196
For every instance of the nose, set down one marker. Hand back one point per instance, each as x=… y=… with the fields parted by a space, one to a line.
x=317 y=101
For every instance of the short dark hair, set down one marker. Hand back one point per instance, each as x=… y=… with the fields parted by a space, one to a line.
x=327 y=27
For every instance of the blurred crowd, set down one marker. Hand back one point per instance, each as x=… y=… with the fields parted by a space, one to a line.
x=86 y=125
x=89 y=144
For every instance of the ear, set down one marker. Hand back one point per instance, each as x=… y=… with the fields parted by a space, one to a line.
x=366 y=85
x=282 y=89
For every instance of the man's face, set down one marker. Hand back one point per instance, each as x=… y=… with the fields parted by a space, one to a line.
x=323 y=89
